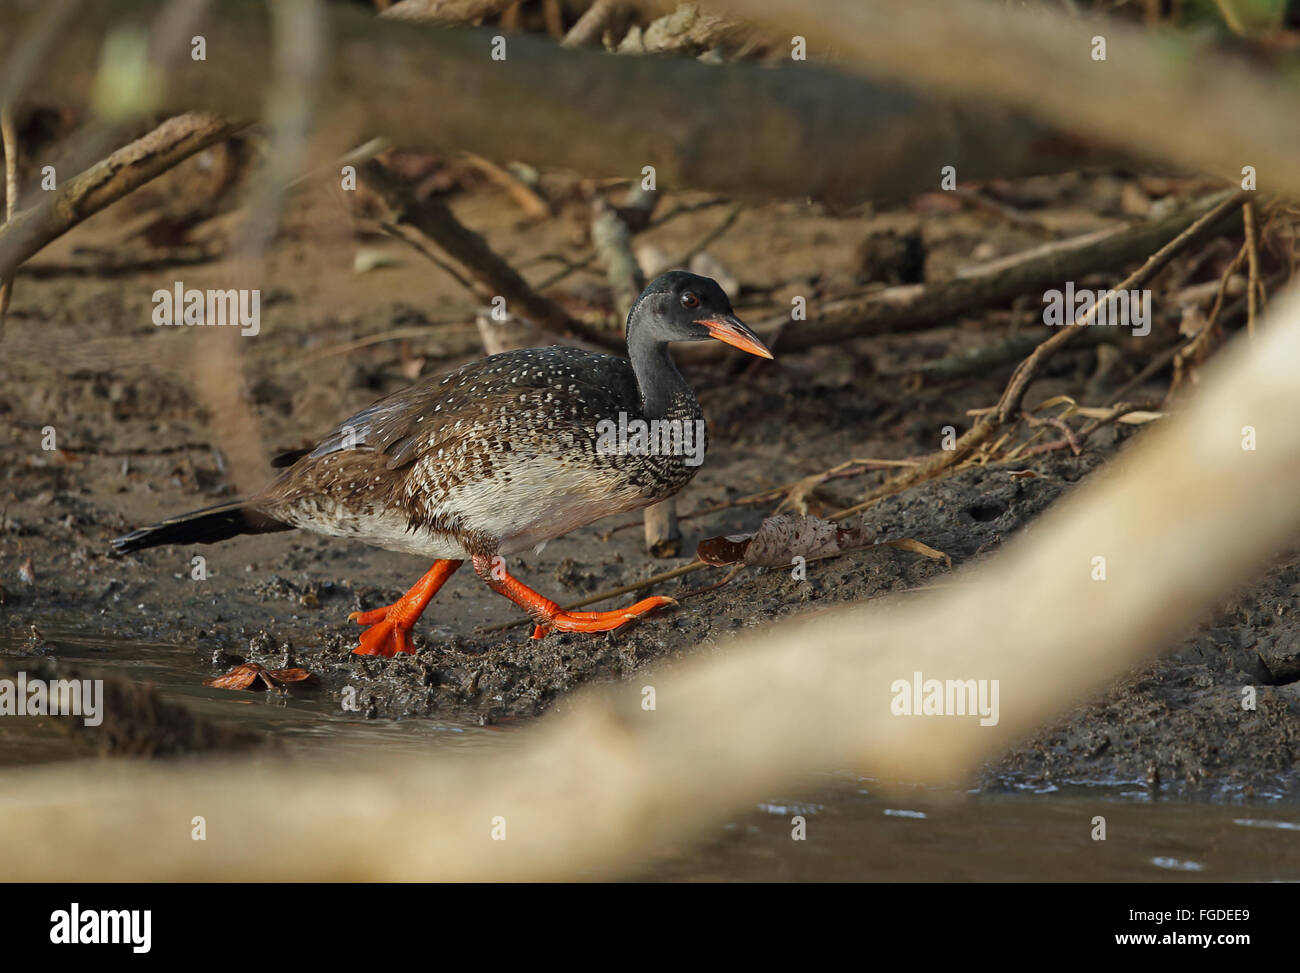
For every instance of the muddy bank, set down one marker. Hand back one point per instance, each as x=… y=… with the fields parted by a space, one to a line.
x=132 y=446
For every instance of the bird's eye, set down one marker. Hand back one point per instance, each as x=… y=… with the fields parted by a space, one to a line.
x=690 y=300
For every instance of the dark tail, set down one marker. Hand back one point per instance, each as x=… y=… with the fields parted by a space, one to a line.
x=206 y=526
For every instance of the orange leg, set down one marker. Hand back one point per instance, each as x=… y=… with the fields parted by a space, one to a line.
x=390 y=625
x=551 y=617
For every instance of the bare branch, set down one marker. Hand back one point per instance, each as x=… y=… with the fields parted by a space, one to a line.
x=107 y=181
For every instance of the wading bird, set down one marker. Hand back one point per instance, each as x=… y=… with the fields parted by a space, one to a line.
x=498 y=457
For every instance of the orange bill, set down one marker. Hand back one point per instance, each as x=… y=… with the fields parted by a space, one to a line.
x=730 y=330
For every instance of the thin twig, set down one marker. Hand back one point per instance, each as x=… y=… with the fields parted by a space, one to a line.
x=433 y=219
x=1172 y=353
x=700 y=245
x=394 y=231
x=1009 y=403
x=525 y=197
x=9 y=138
x=1252 y=252
x=397 y=334
x=1075 y=440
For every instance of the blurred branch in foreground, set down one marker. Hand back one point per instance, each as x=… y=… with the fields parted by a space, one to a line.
x=1160 y=95
x=745 y=129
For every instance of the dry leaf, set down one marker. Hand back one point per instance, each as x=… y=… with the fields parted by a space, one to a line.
x=250 y=675
x=240 y=677
x=783 y=537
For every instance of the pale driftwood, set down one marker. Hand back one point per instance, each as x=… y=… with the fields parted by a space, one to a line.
x=591 y=25
x=1185 y=518
x=445 y=11
x=687 y=28
x=663 y=537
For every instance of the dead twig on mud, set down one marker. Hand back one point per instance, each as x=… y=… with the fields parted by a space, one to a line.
x=1037 y=422
x=524 y=196
x=703 y=243
x=1178 y=351
x=491 y=273
x=416 y=244
x=1075 y=440
x=422 y=331
x=848 y=468
x=1009 y=403
x=918 y=306
x=1011 y=348
x=1254 y=286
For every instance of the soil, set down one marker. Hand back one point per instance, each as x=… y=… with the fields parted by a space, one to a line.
x=134 y=445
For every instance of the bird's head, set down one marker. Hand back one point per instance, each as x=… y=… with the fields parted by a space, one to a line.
x=680 y=306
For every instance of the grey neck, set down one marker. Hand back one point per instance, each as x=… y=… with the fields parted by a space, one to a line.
x=657 y=377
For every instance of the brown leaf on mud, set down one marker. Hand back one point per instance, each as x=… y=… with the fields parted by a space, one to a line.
x=253 y=676
x=240 y=677
x=723 y=550
x=783 y=537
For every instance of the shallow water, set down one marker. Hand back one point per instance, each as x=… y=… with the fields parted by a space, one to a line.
x=853 y=828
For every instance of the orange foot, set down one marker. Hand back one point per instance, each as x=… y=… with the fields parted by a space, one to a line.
x=562 y=621
x=386 y=635
x=390 y=626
